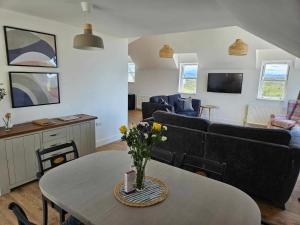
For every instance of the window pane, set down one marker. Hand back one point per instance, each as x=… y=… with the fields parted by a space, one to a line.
x=131 y=77
x=273 y=89
x=276 y=71
x=189 y=71
x=131 y=67
x=189 y=86
x=131 y=72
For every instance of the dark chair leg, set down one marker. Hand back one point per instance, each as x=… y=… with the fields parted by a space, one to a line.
x=62 y=216
x=299 y=199
x=45 y=211
x=264 y=222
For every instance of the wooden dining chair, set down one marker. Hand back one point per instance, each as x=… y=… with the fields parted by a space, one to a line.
x=23 y=219
x=210 y=168
x=48 y=159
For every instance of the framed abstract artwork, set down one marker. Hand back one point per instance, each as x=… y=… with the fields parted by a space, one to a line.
x=34 y=88
x=30 y=48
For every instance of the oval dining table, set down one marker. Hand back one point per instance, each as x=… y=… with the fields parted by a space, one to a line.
x=84 y=188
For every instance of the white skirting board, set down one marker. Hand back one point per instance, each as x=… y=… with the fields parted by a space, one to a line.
x=105 y=141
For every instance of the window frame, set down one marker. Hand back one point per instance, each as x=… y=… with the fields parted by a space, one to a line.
x=131 y=72
x=262 y=80
x=180 y=83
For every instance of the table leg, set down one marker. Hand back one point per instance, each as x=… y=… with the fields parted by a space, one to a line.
x=201 y=111
x=45 y=211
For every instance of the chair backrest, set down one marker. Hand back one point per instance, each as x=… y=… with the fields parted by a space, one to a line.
x=52 y=157
x=20 y=214
x=212 y=169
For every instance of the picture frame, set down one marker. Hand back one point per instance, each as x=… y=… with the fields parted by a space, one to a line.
x=30 y=48
x=34 y=88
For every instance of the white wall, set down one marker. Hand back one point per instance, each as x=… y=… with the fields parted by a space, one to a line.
x=211 y=47
x=91 y=82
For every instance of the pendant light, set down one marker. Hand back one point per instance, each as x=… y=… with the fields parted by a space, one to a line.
x=166 y=52
x=238 y=48
x=87 y=40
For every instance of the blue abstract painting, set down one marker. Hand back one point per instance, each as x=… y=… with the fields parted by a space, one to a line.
x=30 y=48
x=34 y=88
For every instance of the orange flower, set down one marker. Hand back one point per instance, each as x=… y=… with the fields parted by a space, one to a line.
x=8 y=116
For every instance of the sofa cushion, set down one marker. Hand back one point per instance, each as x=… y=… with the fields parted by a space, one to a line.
x=172 y=99
x=286 y=124
x=181 y=120
x=157 y=99
x=275 y=136
x=184 y=105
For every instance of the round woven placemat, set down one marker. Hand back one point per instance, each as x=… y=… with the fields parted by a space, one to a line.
x=155 y=191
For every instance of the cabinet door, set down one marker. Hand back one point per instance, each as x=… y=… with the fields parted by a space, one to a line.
x=22 y=162
x=86 y=139
x=4 y=177
x=16 y=160
x=74 y=135
x=31 y=144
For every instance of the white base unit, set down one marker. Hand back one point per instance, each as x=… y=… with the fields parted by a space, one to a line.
x=18 y=161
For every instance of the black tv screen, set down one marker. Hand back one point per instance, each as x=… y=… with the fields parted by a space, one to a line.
x=225 y=82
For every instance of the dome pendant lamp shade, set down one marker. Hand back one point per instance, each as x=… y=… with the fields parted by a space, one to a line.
x=238 y=48
x=166 y=52
x=88 y=41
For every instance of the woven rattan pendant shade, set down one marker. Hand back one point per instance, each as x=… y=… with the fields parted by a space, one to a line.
x=238 y=48
x=166 y=52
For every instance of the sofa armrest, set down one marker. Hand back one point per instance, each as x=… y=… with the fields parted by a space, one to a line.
x=148 y=108
x=149 y=120
x=196 y=105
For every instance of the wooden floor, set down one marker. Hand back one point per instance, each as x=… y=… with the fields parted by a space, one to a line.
x=29 y=197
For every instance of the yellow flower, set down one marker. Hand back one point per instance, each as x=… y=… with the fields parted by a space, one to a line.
x=123 y=129
x=156 y=126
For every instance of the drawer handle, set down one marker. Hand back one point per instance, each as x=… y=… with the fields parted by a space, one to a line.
x=53 y=135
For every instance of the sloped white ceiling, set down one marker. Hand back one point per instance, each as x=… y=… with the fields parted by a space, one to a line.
x=210 y=46
x=277 y=21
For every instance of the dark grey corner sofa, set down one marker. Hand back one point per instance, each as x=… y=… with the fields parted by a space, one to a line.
x=261 y=162
x=168 y=103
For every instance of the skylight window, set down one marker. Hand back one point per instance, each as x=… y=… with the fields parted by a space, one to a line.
x=188 y=78
x=273 y=81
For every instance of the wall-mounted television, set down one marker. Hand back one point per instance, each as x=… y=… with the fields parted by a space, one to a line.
x=225 y=82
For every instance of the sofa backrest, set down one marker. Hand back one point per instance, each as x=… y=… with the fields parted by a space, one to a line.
x=181 y=120
x=182 y=140
x=172 y=99
x=275 y=136
x=256 y=167
x=157 y=99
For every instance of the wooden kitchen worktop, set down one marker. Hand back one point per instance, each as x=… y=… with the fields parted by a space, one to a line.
x=29 y=127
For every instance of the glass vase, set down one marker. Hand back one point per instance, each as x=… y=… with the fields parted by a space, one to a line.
x=140 y=178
